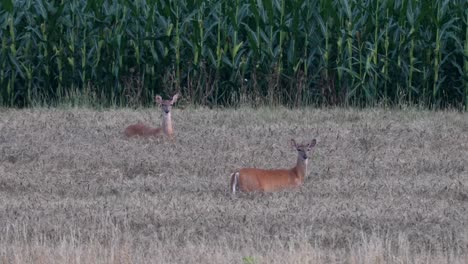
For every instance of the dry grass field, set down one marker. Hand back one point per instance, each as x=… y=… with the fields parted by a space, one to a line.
x=383 y=186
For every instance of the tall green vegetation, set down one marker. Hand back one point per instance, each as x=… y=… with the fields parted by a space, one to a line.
x=297 y=52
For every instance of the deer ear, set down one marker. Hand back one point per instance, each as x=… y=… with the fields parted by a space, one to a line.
x=175 y=97
x=312 y=144
x=292 y=143
x=158 y=99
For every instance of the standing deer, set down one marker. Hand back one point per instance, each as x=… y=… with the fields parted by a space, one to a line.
x=251 y=179
x=143 y=130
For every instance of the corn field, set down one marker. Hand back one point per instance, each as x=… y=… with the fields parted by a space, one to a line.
x=220 y=52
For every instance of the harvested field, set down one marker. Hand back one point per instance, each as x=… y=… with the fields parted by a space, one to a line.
x=383 y=186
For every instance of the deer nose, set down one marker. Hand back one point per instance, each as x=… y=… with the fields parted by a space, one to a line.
x=166 y=111
x=304 y=156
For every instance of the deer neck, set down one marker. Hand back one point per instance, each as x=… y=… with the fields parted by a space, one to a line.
x=301 y=167
x=167 y=124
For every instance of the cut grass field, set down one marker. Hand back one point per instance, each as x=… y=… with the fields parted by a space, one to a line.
x=383 y=186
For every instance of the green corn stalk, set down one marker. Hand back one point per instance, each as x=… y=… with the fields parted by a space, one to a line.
x=326 y=51
x=307 y=31
x=348 y=21
x=3 y=56
x=177 y=44
x=254 y=36
x=218 y=13
x=281 y=40
x=375 y=50
x=361 y=73
x=236 y=45
x=71 y=57
x=219 y=50
x=26 y=65
x=58 y=61
x=411 y=60
x=339 y=57
x=292 y=50
x=13 y=54
x=413 y=17
x=401 y=30
x=386 y=57
x=465 y=61
x=45 y=51
x=437 y=50
x=349 y=35
x=83 y=58
x=198 y=38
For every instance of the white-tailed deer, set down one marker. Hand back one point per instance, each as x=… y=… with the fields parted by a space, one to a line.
x=143 y=130
x=251 y=179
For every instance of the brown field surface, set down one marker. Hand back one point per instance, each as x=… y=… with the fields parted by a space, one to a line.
x=383 y=186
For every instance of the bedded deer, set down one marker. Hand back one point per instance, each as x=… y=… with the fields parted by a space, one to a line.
x=143 y=130
x=251 y=179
